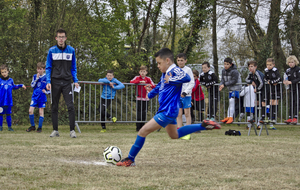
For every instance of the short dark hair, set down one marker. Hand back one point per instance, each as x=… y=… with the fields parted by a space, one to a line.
x=182 y=55
x=254 y=63
x=206 y=63
x=110 y=71
x=61 y=31
x=2 y=67
x=195 y=72
x=165 y=53
x=228 y=60
x=41 y=65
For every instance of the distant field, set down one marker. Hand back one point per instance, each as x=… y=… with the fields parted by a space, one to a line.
x=210 y=160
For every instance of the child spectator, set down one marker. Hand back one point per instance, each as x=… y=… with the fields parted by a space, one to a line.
x=38 y=98
x=197 y=97
x=110 y=86
x=6 y=101
x=141 y=95
x=293 y=78
x=256 y=79
x=186 y=94
x=230 y=78
x=249 y=101
x=272 y=77
x=209 y=79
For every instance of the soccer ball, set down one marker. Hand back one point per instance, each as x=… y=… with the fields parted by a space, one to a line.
x=112 y=155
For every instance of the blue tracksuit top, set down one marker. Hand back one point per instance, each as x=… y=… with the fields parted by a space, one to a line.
x=169 y=93
x=109 y=92
x=38 y=84
x=6 y=87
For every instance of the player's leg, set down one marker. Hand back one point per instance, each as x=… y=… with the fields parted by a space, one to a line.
x=8 y=117
x=138 y=114
x=55 y=91
x=1 y=118
x=31 y=118
x=187 y=111
x=179 y=118
x=41 y=118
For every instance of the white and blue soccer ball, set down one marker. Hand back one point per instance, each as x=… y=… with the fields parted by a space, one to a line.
x=112 y=155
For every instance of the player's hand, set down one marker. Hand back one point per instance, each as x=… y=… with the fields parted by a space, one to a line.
x=44 y=91
x=111 y=85
x=37 y=76
x=253 y=84
x=76 y=84
x=221 y=87
x=48 y=86
x=275 y=84
x=24 y=87
x=192 y=103
x=255 y=90
x=167 y=77
x=142 y=82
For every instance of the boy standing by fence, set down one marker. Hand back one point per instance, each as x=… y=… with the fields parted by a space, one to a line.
x=110 y=86
x=168 y=91
x=230 y=78
x=38 y=98
x=6 y=101
x=209 y=79
x=141 y=95
x=272 y=77
x=293 y=78
x=197 y=98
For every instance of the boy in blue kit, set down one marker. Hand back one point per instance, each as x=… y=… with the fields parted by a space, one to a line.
x=168 y=91
x=6 y=101
x=108 y=94
x=38 y=98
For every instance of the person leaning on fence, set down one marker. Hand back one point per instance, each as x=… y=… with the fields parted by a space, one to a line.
x=197 y=98
x=230 y=78
x=6 y=99
x=60 y=71
x=186 y=94
x=209 y=79
x=168 y=91
x=293 y=78
x=272 y=78
x=110 y=86
x=141 y=95
x=38 y=98
x=249 y=101
x=256 y=79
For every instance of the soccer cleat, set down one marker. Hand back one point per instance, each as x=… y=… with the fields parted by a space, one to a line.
x=230 y=120
x=186 y=137
x=272 y=127
x=103 y=131
x=251 y=120
x=1 y=128
x=294 y=121
x=207 y=118
x=225 y=120
x=10 y=129
x=288 y=121
x=114 y=119
x=266 y=121
x=54 y=134
x=212 y=119
x=258 y=127
x=32 y=128
x=73 y=134
x=127 y=162
x=39 y=130
x=209 y=125
x=159 y=129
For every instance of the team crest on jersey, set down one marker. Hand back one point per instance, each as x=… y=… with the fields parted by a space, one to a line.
x=39 y=84
x=6 y=87
x=209 y=77
x=295 y=75
x=1 y=109
x=68 y=56
x=273 y=75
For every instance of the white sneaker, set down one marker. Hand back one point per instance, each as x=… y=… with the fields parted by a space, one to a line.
x=72 y=134
x=54 y=134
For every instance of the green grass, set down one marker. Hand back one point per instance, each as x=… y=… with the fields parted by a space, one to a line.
x=211 y=160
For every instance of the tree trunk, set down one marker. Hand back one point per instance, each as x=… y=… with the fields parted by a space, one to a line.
x=214 y=38
x=174 y=27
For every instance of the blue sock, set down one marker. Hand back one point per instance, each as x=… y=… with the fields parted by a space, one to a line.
x=8 y=120
x=188 y=129
x=1 y=120
x=41 y=120
x=31 y=119
x=135 y=149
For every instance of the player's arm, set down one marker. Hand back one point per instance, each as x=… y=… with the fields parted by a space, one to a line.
x=34 y=81
x=248 y=80
x=297 y=79
x=191 y=84
x=119 y=85
x=104 y=80
x=178 y=76
x=135 y=80
x=277 y=79
x=261 y=81
x=154 y=91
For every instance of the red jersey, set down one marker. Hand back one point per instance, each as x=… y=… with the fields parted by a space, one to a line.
x=141 y=91
x=197 y=93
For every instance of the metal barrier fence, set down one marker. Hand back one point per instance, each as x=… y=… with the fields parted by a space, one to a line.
x=124 y=105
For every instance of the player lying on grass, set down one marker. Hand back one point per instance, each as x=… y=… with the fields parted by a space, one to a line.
x=168 y=91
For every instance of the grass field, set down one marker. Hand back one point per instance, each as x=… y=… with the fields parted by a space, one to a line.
x=210 y=160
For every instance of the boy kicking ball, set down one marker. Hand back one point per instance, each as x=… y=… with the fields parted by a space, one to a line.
x=168 y=91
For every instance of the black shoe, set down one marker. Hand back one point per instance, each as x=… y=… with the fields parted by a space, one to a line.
x=39 y=130
x=32 y=128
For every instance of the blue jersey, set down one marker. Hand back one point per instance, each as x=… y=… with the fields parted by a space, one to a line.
x=6 y=87
x=108 y=92
x=169 y=93
x=38 y=85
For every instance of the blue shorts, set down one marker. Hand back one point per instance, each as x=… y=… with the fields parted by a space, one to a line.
x=5 y=110
x=234 y=94
x=185 y=102
x=164 y=120
x=249 y=109
x=37 y=104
